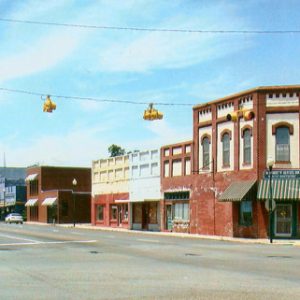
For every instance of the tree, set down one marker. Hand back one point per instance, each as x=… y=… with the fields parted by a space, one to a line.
x=115 y=150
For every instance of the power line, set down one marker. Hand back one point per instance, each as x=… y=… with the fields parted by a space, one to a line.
x=172 y=30
x=94 y=99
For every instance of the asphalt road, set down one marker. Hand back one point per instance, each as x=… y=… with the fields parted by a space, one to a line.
x=48 y=262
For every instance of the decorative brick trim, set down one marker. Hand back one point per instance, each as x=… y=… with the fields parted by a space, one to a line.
x=205 y=136
x=283 y=124
x=282 y=109
x=226 y=131
x=245 y=128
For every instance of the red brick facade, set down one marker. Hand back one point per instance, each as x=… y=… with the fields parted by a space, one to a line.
x=208 y=215
x=114 y=210
x=73 y=202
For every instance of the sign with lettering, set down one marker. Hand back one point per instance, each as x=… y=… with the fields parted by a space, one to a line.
x=283 y=174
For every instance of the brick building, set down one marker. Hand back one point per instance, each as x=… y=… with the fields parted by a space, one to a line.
x=110 y=192
x=229 y=183
x=176 y=185
x=54 y=196
x=126 y=191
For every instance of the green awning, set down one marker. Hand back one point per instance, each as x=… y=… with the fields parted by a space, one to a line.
x=239 y=191
x=282 y=189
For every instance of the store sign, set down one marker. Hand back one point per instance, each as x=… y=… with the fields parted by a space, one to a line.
x=283 y=174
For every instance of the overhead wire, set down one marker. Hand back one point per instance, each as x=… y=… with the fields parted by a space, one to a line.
x=171 y=30
x=94 y=99
x=111 y=100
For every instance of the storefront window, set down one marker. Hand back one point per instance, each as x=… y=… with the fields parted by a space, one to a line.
x=153 y=213
x=181 y=211
x=137 y=213
x=246 y=213
x=114 y=212
x=100 y=213
x=125 y=212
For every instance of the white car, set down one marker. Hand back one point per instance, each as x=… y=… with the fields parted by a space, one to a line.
x=14 y=218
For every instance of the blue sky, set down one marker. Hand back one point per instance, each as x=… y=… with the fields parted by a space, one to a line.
x=130 y=65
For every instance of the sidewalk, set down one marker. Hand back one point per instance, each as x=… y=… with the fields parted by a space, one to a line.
x=181 y=235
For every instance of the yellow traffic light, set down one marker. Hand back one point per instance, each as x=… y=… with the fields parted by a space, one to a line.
x=232 y=116
x=151 y=114
x=49 y=105
x=248 y=115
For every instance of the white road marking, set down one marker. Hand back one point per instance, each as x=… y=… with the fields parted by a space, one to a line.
x=148 y=241
x=77 y=233
x=17 y=238
x=18 y=244
x=46 y=243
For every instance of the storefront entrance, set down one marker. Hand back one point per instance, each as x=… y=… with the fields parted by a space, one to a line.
x=52 y=214
x=145 y=216
x=283 y=220
x=169 y=224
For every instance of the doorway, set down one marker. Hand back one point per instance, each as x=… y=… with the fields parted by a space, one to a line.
x=145 y=214
x=169 y=224
x=283 y=220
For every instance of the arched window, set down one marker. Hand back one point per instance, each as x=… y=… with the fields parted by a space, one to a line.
x=282 y=144
x=205 y=153
x=247 y=146
x=226 y=149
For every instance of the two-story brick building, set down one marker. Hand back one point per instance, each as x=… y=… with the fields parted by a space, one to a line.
x=176 y=185
x=58 y=194
x=230 y=154
x=110 y=192
x=126 y=191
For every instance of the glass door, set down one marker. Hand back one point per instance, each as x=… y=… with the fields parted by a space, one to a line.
x=169 y=224
x=283 y=220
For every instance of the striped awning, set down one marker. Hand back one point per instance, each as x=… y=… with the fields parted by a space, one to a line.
x=31 y=177
x=31 y=202
x=238 y=191
x=282 y=189
x=49 y=201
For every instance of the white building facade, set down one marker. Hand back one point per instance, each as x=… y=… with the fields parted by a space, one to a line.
x=144 y=190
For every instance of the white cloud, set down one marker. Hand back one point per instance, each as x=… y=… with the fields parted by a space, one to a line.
x=42 y=55
x=144 y=52
x=76 y=148
x=220 y=86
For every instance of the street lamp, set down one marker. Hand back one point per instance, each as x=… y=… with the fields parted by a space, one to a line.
x=74 y=183
x=270 y=164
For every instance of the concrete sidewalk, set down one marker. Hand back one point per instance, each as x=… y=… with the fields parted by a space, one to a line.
x=181 y=235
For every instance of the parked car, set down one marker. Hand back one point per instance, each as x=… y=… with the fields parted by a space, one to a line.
x=14 y=218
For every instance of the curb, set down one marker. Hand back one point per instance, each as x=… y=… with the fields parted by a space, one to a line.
x=178 y=235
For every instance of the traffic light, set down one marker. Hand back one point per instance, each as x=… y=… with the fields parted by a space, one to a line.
x=151 y=114
x=232 y=116
x=248 y=115
x=49 y=105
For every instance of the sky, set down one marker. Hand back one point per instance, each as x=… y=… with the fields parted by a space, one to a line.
x=141 y=66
